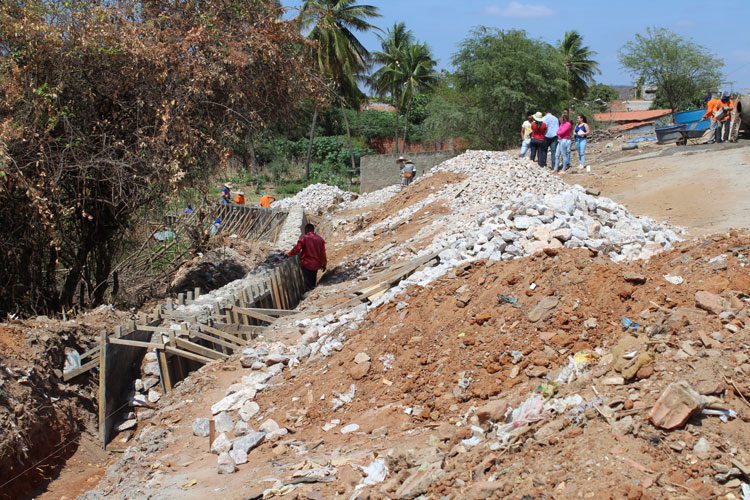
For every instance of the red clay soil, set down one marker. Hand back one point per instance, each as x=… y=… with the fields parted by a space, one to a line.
x=41 y=417
x=461 y=329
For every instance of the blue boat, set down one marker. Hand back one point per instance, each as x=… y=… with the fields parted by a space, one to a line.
x=691 y=117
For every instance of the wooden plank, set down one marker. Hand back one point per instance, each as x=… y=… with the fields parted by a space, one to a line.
x=91 y=352
x=199 y=349
x=188 y=355
x=82 y=369
x=135 y=343
x=209 y=338
x=275 y=289
x=253 y=314
x=166 y=378
x=272 y=312
x=224 y=335
x=103 y=389
x=285 y=288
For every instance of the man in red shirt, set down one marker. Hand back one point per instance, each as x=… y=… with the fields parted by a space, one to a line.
x=313 y=258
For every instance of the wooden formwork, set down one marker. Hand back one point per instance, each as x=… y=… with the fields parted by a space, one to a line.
x=183 y=342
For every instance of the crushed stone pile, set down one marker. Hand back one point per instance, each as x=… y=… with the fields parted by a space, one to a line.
x=315 y=197
x=373 y=198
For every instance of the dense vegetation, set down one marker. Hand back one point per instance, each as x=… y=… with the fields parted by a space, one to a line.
x=106 y=107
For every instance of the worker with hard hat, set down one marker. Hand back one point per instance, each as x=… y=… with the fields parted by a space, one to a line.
x=240 y=199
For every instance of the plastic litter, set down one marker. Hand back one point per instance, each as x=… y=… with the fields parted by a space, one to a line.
x=527 y=412
x=629 y=324
x=576 y=365
x=546 y=389
x=508 y=299
x=471 y=442
x=643 y=138
x=164 y=235
x=675 y=280
x=72 y=360
x=724 y=415
x=559 y=405
x=374 y=473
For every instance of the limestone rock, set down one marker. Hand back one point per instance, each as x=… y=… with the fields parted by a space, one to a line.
x=201 y=427
x=221 y=444
x=249 y=441
x=225 y=464
x=223 y=422
x=248 y=410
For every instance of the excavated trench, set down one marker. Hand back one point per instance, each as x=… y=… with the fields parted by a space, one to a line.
x=43 y=419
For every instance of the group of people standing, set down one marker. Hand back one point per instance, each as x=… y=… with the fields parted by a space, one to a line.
x=545 y=132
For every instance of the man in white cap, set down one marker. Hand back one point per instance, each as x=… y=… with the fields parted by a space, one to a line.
x=226 y=196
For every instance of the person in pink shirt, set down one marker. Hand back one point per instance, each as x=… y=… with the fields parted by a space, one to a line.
x=563 y=144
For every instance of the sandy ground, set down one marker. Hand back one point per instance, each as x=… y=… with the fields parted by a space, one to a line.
x=702 y=188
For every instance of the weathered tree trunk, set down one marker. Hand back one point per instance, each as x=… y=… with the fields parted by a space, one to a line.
x=394 y=94
x=348 y=136
x=251 y=151
x=309 y=145
x=406 y=126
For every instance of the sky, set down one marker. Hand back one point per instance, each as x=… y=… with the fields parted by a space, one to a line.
x=722 y=26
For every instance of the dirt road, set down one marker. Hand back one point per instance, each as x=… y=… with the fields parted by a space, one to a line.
x=702 y=188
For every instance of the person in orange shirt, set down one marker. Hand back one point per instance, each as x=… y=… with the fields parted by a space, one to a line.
x=240 y=199
x=722 y=134
x=265 y=200
x=714 y=105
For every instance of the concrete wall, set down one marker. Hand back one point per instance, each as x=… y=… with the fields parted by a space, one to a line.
x=379 y=171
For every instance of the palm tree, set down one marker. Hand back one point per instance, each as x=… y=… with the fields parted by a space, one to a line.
x=579 y=64
x=419 y=74
x=339 y=55
x=389 y=78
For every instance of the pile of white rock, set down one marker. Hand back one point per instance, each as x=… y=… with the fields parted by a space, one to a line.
x=314 y=197
x=373 y=198
x=529 y=224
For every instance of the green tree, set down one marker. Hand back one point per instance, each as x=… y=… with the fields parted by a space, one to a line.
x=499 y=76
x=109 y=107
x=388 y=79
x=340 y=56
x=579 y=65
x=419 y=75
x=601 y=94
x=679 y=68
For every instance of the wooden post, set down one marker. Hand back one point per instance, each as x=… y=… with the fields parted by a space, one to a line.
x=211 y=433
x=181 y=299
x=166 y=379
x=197 y=292
x=103 y=388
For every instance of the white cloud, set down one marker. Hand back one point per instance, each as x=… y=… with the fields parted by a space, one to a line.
x=518 y=9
